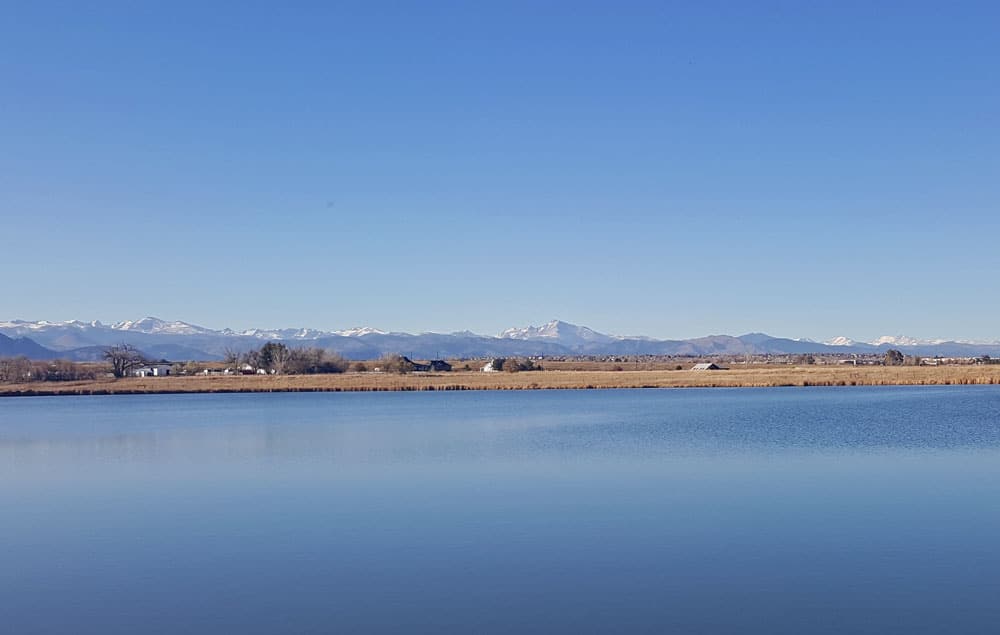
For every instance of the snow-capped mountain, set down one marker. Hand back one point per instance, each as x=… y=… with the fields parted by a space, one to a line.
x=900 y=340
x=303 y=333
x=277 y=334
x=153 y=325
x=359 y=331
x=45 y=324
x=841 y=341
x=558 y=331
x=177 y=340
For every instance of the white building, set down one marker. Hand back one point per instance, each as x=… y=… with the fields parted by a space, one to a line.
x=707 y=366
x=152 y=370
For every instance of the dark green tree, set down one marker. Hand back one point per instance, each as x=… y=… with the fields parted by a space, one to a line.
x=894 y=358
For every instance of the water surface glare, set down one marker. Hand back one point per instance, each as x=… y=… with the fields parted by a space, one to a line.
x=820 y=510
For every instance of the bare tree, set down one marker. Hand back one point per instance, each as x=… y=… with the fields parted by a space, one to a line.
x=330 y=362
x=15 y=370
x=252 y=359
x=395 y=363
x=124 y=358
x=274 y=356
x=310 y=361
x=515 y=365
x=232 y=357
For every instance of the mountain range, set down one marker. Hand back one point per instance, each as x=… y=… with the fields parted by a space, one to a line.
x=174 y=340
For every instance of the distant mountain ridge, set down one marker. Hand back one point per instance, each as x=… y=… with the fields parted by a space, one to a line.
x=175 y=340
x=18 y=346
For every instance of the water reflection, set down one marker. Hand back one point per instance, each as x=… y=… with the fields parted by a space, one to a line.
x=816 y=510
x=409 y=427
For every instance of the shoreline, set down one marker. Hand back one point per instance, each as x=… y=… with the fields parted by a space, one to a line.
x=759 y=377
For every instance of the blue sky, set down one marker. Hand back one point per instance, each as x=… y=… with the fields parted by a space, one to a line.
x=670 y=169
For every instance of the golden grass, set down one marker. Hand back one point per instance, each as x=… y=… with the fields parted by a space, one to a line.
x=548 y=379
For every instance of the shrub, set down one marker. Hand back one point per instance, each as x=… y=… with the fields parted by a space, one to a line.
x=516 y=366
x=893 y=358
x=315 y=361
x=395 y=363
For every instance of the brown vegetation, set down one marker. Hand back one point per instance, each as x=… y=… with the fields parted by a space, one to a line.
x=547 y=379
x=21 y=370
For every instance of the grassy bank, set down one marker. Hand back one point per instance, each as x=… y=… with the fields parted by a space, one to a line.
x=549 y=379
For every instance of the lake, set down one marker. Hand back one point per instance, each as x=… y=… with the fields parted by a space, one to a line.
x=798 y=510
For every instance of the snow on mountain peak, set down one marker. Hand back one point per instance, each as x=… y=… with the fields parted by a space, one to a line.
x=840 y=341
x=894 y=340
x=278 y=334
x=46 y=324
x=897 y=340
x=154 y=325
x=63 y=335
x=359 y=331
x=557 y=331
x=548 y=330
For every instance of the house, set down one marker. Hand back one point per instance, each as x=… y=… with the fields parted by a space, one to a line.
x=414 y=366
x=159 y=369
x=707 y=366
x=247 y=369
x=439 y=365
x=494 y=365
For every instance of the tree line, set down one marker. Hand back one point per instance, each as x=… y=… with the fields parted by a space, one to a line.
x=17 y=370
x=275 y=358
x=123 y=360
x=511 y=365
x=120 y=361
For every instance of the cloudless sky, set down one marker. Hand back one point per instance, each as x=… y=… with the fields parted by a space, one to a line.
x=670 y=169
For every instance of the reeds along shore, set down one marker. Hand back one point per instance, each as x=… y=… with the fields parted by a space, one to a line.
x=539 y=380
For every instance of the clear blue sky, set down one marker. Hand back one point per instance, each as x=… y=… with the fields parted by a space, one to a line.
x=670 y=169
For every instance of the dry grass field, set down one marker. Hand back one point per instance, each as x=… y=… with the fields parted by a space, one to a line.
x=549 y=379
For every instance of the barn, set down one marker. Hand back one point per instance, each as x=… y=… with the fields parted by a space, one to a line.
x=707 y=366
x=160 y=369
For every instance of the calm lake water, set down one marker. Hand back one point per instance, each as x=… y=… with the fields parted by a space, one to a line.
x=804 y=510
